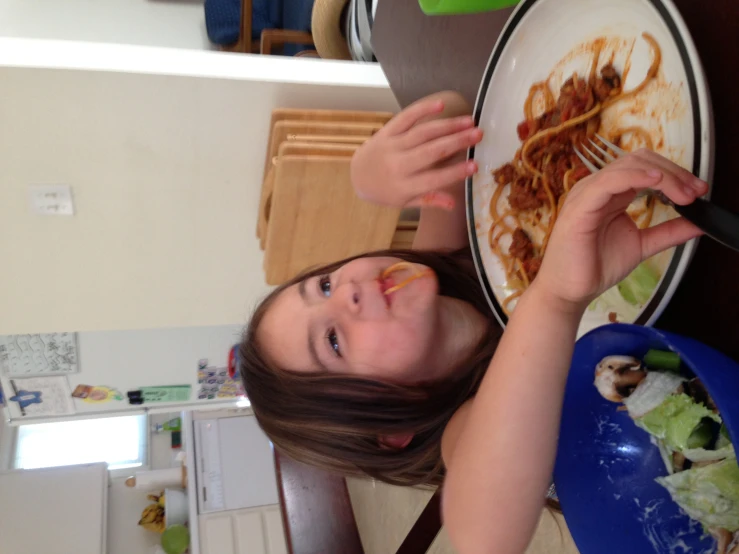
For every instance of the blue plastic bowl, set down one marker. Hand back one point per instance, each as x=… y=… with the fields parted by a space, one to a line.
x=606 y=466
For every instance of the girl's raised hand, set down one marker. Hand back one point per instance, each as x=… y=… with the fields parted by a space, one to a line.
x=595 y=244
x=417 y=155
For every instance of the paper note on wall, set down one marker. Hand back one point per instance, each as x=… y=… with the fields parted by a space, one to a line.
x=215 y=383
x=42 y=396
x=44 y=354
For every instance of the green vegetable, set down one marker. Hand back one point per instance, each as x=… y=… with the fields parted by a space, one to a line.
x=701 y=435
x=176 y=539
x=723 y=438
x=703 y=455
x=675 y=419
x=725 y=431
x=661 y=359
x=708 y=494
x=656 y=387
x=638 y=286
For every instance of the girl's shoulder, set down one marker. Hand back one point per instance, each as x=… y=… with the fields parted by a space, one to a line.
x=453 y=430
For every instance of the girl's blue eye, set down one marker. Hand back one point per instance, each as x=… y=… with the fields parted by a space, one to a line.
x=324 y=285
x=333 y=342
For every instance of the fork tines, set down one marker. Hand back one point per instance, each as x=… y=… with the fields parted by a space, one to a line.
x=599 y=162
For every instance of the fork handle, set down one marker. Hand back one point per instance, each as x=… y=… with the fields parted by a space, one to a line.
x=718 y=223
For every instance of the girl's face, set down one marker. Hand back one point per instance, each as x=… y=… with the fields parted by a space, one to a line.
x=343 y=322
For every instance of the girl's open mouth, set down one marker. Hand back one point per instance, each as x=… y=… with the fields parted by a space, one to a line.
x=387 y=283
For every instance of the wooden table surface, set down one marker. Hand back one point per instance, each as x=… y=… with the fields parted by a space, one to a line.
x=421 y=55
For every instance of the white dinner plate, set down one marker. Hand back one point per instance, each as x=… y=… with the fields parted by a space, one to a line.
x=549 y=39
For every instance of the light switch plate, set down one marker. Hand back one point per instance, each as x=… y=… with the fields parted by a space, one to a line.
x=51 y=199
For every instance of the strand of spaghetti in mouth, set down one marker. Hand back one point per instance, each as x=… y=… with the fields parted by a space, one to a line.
x=400 y=266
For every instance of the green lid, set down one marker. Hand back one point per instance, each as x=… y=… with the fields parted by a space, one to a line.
x=175 y=539
x=447 y=7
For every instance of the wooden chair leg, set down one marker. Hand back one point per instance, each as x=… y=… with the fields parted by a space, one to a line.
x=307 y=54
x=245 y=45
x=278 y=37
x=426 y=528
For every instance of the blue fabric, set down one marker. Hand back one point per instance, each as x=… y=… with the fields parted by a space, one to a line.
x=223 y=19
x=297 y=16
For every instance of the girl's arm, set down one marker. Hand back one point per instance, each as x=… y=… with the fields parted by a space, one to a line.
x=500 y=448
x=501 y=465
x=419 y=159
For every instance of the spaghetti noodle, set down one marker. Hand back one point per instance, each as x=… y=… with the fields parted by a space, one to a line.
x=546 y=167
x=401 y=266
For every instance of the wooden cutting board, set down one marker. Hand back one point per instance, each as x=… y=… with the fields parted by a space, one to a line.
x=265 y=205
x=347 y=116
x=328 y=139
x=315 y=217
x=294 y=149
x=283 y=129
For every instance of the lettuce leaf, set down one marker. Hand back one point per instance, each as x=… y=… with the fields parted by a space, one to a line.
x=703 y=455
x=723 y=438
x=675 y=419
x=665 y=453
x=638 y=285
x=656 y=387
x=708 y=494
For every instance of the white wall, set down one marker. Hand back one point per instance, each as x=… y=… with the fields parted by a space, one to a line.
x=164 y=152
x=7 y=443
x=169 y=23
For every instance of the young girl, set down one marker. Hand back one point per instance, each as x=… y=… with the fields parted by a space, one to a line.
x=418 y=386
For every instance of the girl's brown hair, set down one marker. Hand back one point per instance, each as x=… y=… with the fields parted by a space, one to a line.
x=334 y=421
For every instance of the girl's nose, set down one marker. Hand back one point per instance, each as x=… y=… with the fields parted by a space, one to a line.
x=350 y=297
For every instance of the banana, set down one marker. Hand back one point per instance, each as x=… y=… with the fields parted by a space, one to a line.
x=152 y=518
x=155 y=527
x=149 y=513
x=157 y=497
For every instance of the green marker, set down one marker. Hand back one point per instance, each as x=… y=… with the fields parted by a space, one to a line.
x=449 y=7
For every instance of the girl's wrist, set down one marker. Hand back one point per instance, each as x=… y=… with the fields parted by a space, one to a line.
x=542 y=295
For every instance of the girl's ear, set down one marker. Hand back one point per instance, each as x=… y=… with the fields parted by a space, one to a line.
x=395 y=442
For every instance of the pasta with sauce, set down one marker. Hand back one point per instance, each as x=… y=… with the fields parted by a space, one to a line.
x=546 y=167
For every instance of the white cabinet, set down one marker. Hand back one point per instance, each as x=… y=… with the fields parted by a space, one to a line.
x=61 y=510
x=249 y=531
x=236 y=467
x=232 y=487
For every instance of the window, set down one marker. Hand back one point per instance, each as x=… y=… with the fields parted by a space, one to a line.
x=119 y=441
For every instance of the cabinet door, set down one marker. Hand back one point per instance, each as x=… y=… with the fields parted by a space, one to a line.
x=250 y=531
x=60 y=510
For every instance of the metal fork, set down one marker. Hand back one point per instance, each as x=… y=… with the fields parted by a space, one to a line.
x=715 y=221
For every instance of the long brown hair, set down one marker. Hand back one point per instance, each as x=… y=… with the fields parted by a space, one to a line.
x=334 y=421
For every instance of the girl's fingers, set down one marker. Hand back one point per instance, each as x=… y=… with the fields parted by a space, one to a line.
x=434 y=199
x=440 y=178
x=407 y=118
x=666 y=235
x=674 y=174
x=599 y=190
x=441 y=149
x=636 y=174
x=428 y=131
x=687 y=178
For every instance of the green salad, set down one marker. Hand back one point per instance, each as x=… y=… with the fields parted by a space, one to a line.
x=684 y=423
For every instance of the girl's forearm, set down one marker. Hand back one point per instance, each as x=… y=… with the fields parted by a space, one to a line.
x=502 y=463
x=440 y=229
